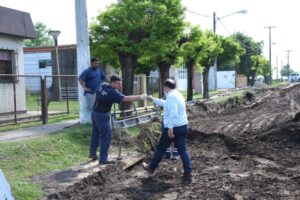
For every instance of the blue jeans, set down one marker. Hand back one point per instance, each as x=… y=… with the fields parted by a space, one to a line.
x=179 y=141
x=101 y=135
x=89 y=104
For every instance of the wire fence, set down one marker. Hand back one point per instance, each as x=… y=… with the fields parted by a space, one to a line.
x=27 y=98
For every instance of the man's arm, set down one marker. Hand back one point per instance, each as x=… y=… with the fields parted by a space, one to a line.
x=82 y=83
x=102 y=75
x=134 y=98
x=156 y=101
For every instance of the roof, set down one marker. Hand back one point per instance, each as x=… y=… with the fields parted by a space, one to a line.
x=48 y=48
x=16 y=23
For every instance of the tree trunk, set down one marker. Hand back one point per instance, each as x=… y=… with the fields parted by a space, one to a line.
x=205 y=83
x=164 y=74
x=252 y=80
x=189 y=66
x=148 y=82
x=128 y=64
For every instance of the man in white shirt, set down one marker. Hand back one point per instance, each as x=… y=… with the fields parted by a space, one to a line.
x=175 y=128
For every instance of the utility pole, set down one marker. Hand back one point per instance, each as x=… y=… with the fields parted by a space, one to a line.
x=270 y=51
x=215 y=18
x=214 y=22
x=281 y=69
x=277 y=72
x=83 y=55
x=288 y=62
x=215 y=70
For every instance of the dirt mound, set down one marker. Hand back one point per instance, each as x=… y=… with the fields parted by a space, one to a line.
x=122 y=137
x=248 y=150
x=264 y=167
x=268 y=108
x=147 y=139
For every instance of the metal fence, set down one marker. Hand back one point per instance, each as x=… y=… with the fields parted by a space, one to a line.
x=25 y=98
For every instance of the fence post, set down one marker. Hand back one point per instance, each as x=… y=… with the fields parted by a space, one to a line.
x=67 y=95
x=15 y=98
x=44 y=100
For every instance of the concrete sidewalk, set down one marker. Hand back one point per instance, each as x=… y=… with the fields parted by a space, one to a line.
x=35 y=131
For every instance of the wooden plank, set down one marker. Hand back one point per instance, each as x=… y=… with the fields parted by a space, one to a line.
x=132 y=161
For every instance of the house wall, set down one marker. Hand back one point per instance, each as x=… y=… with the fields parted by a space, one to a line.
x=31 y=67
x=6 y=89
x=226 y=79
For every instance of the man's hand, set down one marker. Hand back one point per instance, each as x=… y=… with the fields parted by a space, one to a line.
x=143 y=97
x=150 y=98
x=170 y=133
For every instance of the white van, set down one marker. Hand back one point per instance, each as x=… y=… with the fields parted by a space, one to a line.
x=294 y=77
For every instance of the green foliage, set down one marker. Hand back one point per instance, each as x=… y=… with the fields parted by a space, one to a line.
x=252 y=48
x=261 y=65
x=286 y=71
x=147 y=29
x=137 y=35
x=232 y=51
x=191 y=49
x=212 y=48
x=42 y=39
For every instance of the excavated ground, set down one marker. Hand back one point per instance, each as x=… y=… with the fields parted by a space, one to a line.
x=247 y=148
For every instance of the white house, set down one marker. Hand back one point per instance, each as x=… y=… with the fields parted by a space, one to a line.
x=14 y=27
x=38 y=61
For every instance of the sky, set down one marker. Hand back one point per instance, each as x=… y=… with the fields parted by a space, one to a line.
x=60 y=15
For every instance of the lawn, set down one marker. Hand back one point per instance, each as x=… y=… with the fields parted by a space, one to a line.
x=279 y=83
x=22 y=160
x=33 y=103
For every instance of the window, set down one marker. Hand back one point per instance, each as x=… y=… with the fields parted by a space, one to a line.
x=45 y=63
x=6 y=65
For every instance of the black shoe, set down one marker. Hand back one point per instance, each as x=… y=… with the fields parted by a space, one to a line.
x=187 y=177
x=93 y=158
x=107 y=162
x=146 y=168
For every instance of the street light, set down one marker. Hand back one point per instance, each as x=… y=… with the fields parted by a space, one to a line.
x=214 y=29
x=55 y=35
x=288 y=62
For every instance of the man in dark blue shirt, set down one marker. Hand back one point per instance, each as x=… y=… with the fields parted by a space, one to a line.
x=90 y=80
x=105 y=97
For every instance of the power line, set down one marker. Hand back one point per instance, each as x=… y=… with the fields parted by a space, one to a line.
x=203 y=15
x=224 y=26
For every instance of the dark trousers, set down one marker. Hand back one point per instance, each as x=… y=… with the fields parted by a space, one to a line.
x=101 y=135
x=179 y=141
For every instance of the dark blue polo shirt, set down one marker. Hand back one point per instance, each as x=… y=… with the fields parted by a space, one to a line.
x=92 y=78
x=106 y=96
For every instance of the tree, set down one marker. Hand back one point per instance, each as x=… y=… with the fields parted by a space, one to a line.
x=252 y=48
x=232 y=51
x=133 y=31
x=261 y=66
x=212 y=48
x=190 y=51
x=42 y=39
x=286 y=71
x=162 y=48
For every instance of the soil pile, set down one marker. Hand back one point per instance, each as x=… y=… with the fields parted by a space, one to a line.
x=248 y=150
